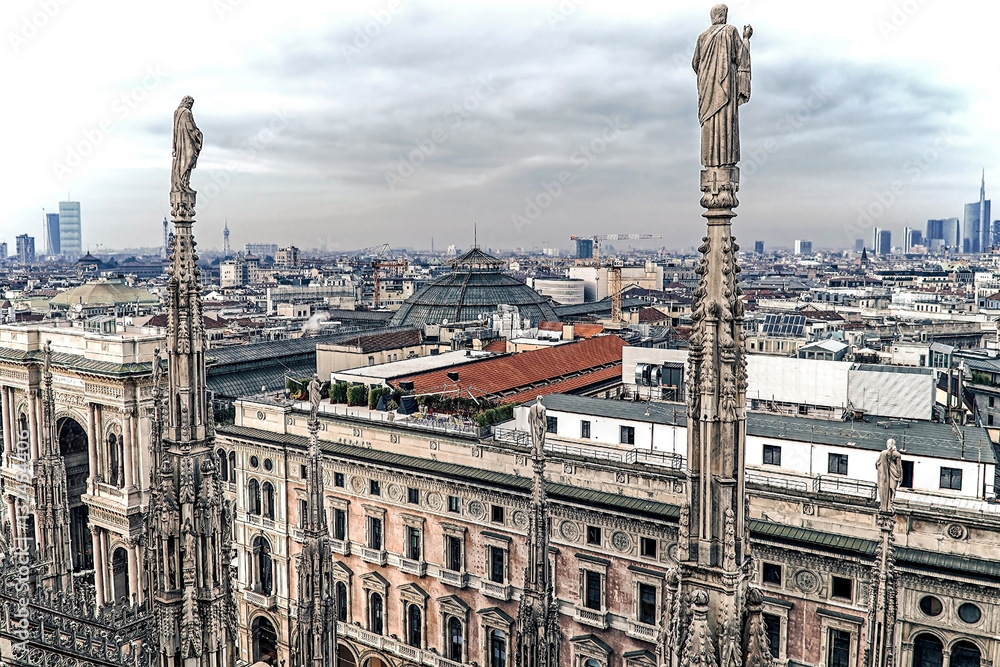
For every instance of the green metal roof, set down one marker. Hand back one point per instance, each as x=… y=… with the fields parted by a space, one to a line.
x=76 y=362
x=795 y=534
x=937 y=561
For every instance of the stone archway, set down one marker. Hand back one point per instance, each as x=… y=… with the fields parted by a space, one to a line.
x=265 y=641
x=965 y=654
x=74 y=448
x=928 y=651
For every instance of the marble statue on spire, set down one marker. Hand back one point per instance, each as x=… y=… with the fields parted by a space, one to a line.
x=187 y=146
x=890 y=471
x=722 y=63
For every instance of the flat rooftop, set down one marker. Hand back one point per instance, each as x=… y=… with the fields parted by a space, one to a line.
x=415 y=365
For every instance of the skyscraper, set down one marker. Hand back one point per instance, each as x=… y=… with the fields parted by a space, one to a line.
x=947 y=230
x=584 y=248
x=911 y=237
x=165 y=251
x=882 y=241
x=859 y=245
x=976 y=228
x=803 y=247
x=70 y=233
x=26 y=249
x=52 y=238
x=225 y=240
x=758 y=247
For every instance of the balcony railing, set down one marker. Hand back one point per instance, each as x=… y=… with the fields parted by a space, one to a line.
x=410 y=566
x=374 y=556
x=411 y=654
x=661 y=459
x=642 y=631
x=495 y=590
x=776 y=482
x=452 y=578
x=263 y=601
x=342 y=547
x=597 y=619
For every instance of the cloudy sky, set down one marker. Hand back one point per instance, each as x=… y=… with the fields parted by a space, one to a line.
x=348 y=124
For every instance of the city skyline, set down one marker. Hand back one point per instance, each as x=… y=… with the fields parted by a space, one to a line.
x=304 y=131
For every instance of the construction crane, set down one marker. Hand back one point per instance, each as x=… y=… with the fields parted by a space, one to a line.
x=612 y=237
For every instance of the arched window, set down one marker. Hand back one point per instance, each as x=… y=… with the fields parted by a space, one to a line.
x=232 y=467
x=455 y=639
x=262 y=562
x=268 y=499
x=498 y=648
x=253 y=497
x=376 y=614
x=113 y=460
x=928 y=651
x=964 y=654
x=342 y=601
x=591 y=663
x=22 y=429
x=223 y=465
x=414 y=626
x=264 y=640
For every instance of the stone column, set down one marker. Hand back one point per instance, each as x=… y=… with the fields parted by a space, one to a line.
x=92 y=444
x=33 y=425
x=105 y=570
x=133 y=571
x=128 y=455
x=12 y=517
x=95 y=534
x=8 y=424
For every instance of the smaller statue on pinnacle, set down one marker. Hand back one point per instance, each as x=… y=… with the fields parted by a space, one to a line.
x=187 y=147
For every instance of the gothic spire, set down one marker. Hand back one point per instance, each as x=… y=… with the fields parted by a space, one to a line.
x=316 y=618
x=537 y=617
x=188 y=521
x=51 y=496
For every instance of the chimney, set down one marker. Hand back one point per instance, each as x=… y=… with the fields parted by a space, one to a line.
x=453 y=376
x=568 y=332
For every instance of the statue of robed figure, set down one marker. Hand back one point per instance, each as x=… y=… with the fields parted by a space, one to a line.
x=722 y=63
x=187 y=146
x=890 y=472
x=539 y=425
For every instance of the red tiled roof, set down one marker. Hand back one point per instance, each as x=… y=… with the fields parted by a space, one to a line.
x=498 y=345
x=568 y=386
x=497 y=375
x=584 y=330
x=550 y=326
x=652 y=315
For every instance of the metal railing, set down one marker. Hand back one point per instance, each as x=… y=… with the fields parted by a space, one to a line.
x=661 y=459
x=438 y=422
x=584 y=452
x=512 y=436
x=844 y=485
x=775 y=482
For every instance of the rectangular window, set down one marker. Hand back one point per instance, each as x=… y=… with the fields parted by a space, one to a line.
x=647 y=547
x=772 y=573
x=374 y=533
x=772 y=629
x=991 y=401
x=413 y=496
x=843 y=588
x=413 y=543
x=907 y=481
x=628 y=435
x=839 y=654
x=303 y=472
x=497 y=556
x=454 y=553
x=339 y=524
x=594 y=535
x=592 y=590
x=338 y=479
x=454 y=504
x=772 y=455
x=951 y=478
x=647 y=604
x=837 y=464
x=989 y=420
x=374 y=488
x=585 y=429
x=551 y=424
x=303 y=513
x=496 y=513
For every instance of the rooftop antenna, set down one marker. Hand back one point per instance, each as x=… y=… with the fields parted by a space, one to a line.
x=475 y=235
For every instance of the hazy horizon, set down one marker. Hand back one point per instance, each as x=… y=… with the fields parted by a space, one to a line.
x=312 y=114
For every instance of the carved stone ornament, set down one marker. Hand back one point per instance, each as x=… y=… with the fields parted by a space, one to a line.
x=570 y=531
x=621 y=541
x=477 y=510
x=435 y=501
x=806 y=581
